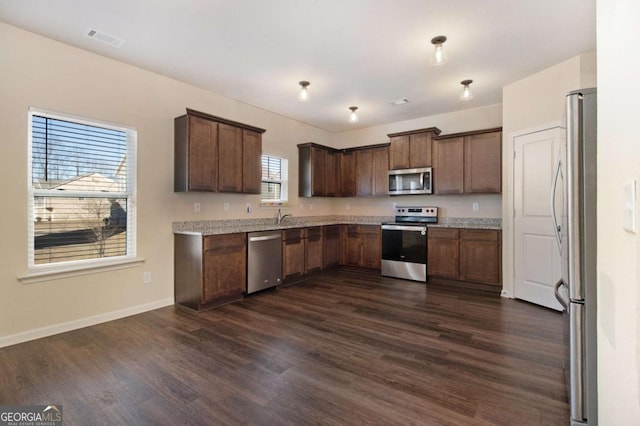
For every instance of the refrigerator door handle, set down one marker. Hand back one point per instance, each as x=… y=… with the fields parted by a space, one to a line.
x=559 y=298
x=556 y=226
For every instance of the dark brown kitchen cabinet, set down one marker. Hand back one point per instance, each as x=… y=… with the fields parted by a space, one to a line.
x=313 y=249
x=362 y=246
x=330 y=246
x=230 y=158
x=327 y=172
x=468 y=162
x=251 y=162
x=380 y=170
x=483 y=163
x=209 y=270
x=480 y=256
x=196 y=146
x=443 y=252
x=348 y=174
x=331 y=173
x=293 y=249
x=372 y=167
x=317 y=171
x=216 y=155
x=364 y=172
x=448 y=168
x=469 y=255
x=317 y=179
x=413 y=149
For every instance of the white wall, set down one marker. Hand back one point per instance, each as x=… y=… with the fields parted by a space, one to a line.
x=537 y=100
x=618 y=250
x=46 y=74
x=450 y=205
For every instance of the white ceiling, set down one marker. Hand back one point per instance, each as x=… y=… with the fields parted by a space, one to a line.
x=354 y=52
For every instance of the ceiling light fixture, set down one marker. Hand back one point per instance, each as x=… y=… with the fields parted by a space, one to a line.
x=466 y=94
x=439 y=57
x=303 y=96
x=353 y=118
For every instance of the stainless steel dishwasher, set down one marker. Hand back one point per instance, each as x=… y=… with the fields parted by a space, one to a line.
x=264 y=260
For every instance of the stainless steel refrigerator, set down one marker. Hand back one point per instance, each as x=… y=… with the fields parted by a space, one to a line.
x=574 y=212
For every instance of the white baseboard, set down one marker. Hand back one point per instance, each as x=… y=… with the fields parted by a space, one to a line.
x=50 y=330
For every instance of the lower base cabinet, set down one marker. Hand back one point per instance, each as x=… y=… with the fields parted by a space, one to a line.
x=313 y=249
x=480 y=256
x=292 y=254
x=470 y=255
x=330 y=246
x=209 y=270
x=362 y=246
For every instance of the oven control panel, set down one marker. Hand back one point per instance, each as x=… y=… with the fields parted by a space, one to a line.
x=402 y=211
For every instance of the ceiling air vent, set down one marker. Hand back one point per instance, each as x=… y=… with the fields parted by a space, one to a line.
x=103 y=37
x=400 y=102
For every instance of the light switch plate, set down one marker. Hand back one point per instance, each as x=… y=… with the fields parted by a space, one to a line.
x=629 y=214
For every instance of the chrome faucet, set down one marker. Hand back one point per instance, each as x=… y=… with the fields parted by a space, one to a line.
x=281 y=216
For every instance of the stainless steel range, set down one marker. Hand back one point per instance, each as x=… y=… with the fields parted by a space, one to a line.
x=404 y=243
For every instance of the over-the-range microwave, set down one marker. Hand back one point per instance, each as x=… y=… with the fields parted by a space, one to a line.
x=410 y=181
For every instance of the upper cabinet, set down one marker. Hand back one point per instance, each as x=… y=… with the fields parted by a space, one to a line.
x=216 y=155
x=328 y=172
x=317 y=171
x=372 y=171
x=410 y=150
x=462 y=163
x=483 y=162
x=468 y=162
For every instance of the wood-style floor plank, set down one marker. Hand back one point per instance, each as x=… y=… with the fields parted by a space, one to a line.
x=346 y=347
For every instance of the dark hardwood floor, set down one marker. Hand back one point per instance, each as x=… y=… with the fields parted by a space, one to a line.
x=347 y=347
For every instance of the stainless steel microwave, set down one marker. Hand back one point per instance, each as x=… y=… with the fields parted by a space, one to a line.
x=410 y=181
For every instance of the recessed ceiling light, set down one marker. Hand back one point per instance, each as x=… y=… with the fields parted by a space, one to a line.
x=400 y=102
x=103 y=37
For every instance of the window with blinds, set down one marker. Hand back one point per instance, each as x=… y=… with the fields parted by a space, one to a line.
x=82 y=191
x=274 y=179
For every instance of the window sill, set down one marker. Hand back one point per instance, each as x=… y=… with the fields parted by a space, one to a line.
x=55 y=274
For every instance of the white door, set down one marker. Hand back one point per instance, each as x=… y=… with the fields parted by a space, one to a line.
x=537 y=256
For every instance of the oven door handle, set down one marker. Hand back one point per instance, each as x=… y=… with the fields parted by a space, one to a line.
x=404 y=228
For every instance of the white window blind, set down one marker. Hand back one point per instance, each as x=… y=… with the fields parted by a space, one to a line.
x=82 y=191
x=274 y=179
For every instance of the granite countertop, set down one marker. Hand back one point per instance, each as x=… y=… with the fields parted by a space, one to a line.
x=217 y=227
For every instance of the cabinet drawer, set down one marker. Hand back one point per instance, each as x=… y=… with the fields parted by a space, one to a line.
x=352 y=230
x=479 y=235
x=443 y=233
x=212 y=242
x=292 y=234
x=331 y=230
x=313 y=232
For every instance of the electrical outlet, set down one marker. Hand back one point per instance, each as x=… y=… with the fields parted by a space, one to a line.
x=196 y=207
x=146 y=278
x=476 y=207
x=249 y=208
x=226 y=207
x=394 y=206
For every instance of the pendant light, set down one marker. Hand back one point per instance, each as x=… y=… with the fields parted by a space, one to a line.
x=439 y=57
x=466 y=94
x=353 y=118
x=303 y=96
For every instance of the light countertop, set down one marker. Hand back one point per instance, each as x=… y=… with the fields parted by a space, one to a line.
x=217 y=227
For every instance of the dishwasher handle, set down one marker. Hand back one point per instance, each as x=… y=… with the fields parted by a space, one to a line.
x=266 y=237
